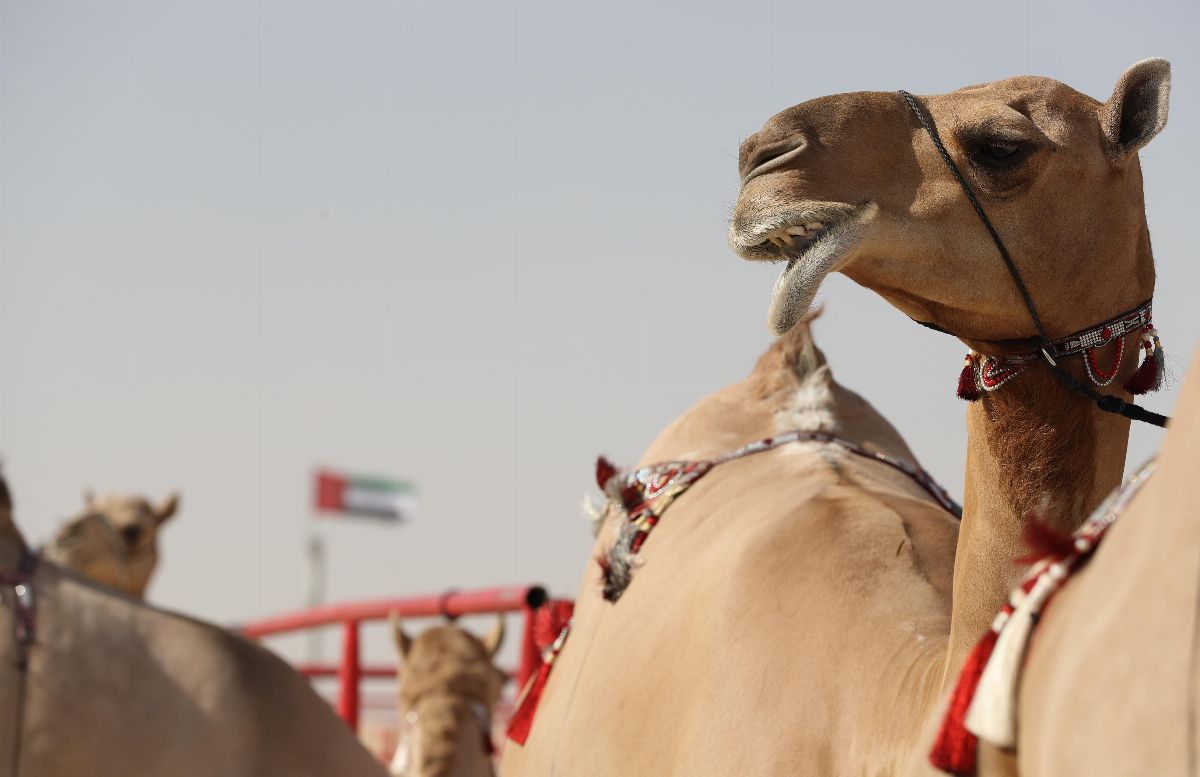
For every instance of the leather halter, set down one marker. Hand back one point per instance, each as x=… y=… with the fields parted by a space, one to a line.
x=24 y=629
x=1108 y=403
x=1028 y=350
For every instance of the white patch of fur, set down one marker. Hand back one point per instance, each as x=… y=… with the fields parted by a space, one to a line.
x=911 y=628
x=595 y=511
x=810 y=408
x=1046 y=508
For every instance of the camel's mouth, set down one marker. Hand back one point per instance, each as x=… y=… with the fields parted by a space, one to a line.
x=812 y=238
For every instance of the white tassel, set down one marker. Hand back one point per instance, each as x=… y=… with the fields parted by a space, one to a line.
x=993 y=713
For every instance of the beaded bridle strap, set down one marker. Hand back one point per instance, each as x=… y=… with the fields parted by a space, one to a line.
x=643 y=494
x=983 y=373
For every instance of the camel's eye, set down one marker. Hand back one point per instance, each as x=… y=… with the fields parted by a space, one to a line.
x=131 y=534
x=998 y=153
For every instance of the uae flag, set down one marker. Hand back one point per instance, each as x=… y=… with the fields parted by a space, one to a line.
x=374 y=497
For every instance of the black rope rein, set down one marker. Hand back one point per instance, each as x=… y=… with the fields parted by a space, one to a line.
x=1109 y=403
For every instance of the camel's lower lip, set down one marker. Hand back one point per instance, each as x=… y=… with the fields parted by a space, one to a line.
x=829 y=231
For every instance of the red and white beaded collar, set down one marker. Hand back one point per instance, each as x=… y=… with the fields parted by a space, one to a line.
x=983 y=373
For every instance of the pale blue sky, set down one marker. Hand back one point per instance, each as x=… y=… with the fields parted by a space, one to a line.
x=472 y=244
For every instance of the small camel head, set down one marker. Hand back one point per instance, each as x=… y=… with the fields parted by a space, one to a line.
x=851 y=183
x=448 y=686
x=114 y=541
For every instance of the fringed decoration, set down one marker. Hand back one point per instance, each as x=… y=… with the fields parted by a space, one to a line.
x=605 y=470
x=983 y=706
x=968 y=384
x=521 y=721
x=1149 y=375
x=992 y=716
x=1044 y=541
x=955 y=747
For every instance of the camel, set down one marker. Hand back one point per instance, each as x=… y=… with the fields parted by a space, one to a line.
x=852 y=183
x=114 y=541
x=448 y=688
x=114 y=686
x=1059 y=176
x=764 y=586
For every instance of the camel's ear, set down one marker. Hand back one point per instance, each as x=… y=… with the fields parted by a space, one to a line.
x=168 y=508
x=403 y=641
x=89 y=498
x=495 y=637
x=1137 y=110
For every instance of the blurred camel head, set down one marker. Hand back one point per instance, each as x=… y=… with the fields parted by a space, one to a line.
x=114 y=541
x=448 y=686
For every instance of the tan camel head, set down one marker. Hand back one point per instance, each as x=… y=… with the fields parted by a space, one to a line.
x=447 y=690
x=114 y=541
x=852 y=183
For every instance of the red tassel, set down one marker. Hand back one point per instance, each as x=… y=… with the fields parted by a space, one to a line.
x=1042 y=541
x=955 y=747
x=968 y=389
x=522 y=718
x=1148 y=376
x=605 y=470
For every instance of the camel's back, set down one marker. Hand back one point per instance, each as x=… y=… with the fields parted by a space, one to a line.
x=121 y=688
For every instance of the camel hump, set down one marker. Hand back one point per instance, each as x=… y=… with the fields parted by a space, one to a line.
x=792 y=358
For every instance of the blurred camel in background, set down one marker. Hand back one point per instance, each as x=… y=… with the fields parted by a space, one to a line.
x=96 y=683
x=114 y=541
x=448 y=687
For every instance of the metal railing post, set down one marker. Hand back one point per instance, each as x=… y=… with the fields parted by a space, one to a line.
x=349 y=674
x=531 y=657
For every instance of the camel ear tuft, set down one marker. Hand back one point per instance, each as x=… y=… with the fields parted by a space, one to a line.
x=1137 y=110
x=403 y=641
x=168 y=508
x=495 y=637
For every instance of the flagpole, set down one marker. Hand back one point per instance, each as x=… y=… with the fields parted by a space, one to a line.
x=315 y=596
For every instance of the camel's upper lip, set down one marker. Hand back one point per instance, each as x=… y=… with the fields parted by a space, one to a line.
x=789 y=234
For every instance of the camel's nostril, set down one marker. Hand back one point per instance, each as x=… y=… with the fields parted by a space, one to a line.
x=772 y=157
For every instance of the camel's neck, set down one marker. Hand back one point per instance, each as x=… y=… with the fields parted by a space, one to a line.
x=1038 y=452
x=1035 y=452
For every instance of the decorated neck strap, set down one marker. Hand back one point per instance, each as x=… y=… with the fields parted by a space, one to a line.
x=982 y=373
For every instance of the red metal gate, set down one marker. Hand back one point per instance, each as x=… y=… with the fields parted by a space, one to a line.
x=529 y=600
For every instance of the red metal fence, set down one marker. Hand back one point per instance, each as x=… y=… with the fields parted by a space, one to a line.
x=527 y=600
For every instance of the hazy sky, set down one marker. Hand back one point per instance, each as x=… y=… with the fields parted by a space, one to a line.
x=471 y=244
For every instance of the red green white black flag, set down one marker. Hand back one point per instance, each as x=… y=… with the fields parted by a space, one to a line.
x=368 y=496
